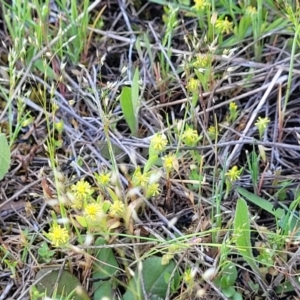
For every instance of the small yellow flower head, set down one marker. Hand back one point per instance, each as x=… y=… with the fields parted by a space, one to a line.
x=193 y=85
x=152 y=190
x=168 y=162
x=59 y=126
x=93 y=211
x=212 y=131
x=82 y=190
x=190 y=137
x=159 y=142
x=58 y=236
x=140 y=179
x=103 y=178
x=199 y=5
x=251 y=10
x=233 y=174
x=232 y=106
x=202 y=61
x=262 y=124
x=188 y=276
x=224 y=25
x=117 y=209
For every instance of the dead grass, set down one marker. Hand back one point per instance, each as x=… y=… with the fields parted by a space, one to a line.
x=24 y=213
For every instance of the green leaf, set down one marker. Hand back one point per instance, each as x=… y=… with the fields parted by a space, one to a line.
x=154 y=275
x=229 y=275
x=242 y=234
x=262 y=203
x=61 y=284
x=228 y=292
x=104 y=267
x=286 y=217
x=128 y=109
x=4 y=155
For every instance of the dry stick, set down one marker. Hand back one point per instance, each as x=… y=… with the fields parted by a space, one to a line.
x=238 y=147
x=43 y=51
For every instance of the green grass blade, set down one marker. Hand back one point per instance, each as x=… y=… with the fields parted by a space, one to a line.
x=4 y=156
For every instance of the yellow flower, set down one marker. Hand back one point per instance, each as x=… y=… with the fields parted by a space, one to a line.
x=117 y=209
x=159 y=142
x=93 y=211
x=232 y=106
x=233 y=174
x=193 y=85
x=233 y=112
x=251 y=10
x=168 y=162
x=188 y=276
x=200 y=5
x=202 y=61
x=190 y=137
x=212 y=131
x=59 y=126
x=82 y=190
x=58 y=235
x=224 y=25
x=140 y=179
x=262 y=124
x=152 y=190
x=103 y=178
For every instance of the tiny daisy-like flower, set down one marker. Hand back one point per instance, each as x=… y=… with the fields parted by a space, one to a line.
x=233 y=112
x=117 y=209
x=224 y=25
x=140 y=179
x=251 y=10
x=168 y=162
x=190 y=137
x=188 y=276
x=103 y=178
x=92 y=211
x=82 y=190
x=233 y=174
x=58 y=236
x=200 y=5
x=152 y=190
x=212 y=131
x=202 y=61
x=193 y=85
x=159 y=142
x=262 y=124
x=232 y=106
x=59 y=126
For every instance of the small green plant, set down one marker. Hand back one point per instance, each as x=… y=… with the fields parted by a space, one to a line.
x=226 y=280
x=45 y=253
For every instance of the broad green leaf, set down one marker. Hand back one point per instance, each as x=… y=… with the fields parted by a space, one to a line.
x=153 y=273
x=286 y=217
x=4 y=155
x=128 y=109
x=61 y=284
x=104 y=267
x=242 y=234
x=262 y=203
